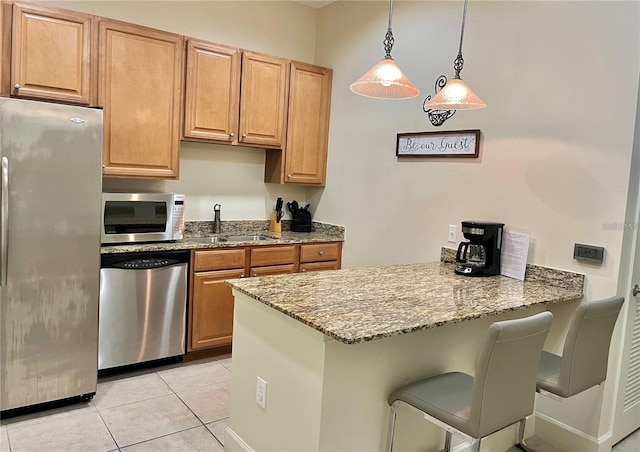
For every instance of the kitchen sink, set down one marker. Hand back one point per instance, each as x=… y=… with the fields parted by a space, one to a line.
x=246 y=238
x=208 y=239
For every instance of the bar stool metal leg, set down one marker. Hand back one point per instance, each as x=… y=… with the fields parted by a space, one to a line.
x=521 y=444
x=392 y=426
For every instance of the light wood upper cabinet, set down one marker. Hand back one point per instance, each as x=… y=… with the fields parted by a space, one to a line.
x=304 y=159
x=263 y=100
x=51 y=54
x=212 y=92
x=5 y=48
x=140 y=73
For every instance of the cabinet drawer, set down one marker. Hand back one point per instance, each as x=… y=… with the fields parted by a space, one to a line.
x=219 y=259
x=273 y=270
x=273 y=255
x=319 y=266
x=319 y=252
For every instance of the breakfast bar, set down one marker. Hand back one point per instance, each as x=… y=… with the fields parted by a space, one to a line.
x=317 y=354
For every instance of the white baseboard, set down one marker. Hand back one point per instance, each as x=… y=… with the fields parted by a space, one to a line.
x=233 y=443
x=568 y=438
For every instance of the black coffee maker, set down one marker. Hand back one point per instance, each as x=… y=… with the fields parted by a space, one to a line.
x=480 y=256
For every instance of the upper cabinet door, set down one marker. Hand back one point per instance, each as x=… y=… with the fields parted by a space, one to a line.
x=50 y=57
x=263 y=100
x=140 y=74
x=212 y=92
x=308 y=127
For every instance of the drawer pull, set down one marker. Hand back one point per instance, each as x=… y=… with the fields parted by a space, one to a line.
x=320 y=252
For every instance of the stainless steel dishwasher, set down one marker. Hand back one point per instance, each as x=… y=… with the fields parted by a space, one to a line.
x=143 y=307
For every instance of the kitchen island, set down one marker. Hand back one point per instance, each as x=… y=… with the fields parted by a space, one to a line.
x=331 y=346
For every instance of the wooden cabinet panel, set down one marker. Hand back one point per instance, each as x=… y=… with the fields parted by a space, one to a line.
x=273 y=255
x=263 y=100
x=212 y=92
x=5 y=48
x=304 y=159
x=273 y=270
x=318 y=252
x=220 y=259
x=308 y=126
x=319 y=266
x=51 y=54
x=212 y=309
x=140 y=73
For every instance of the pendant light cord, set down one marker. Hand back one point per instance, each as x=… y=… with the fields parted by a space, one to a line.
x=459 y=61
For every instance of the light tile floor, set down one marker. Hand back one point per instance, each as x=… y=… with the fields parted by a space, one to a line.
x=181 y=407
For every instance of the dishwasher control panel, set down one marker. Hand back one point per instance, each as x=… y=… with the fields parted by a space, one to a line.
x=145 y=263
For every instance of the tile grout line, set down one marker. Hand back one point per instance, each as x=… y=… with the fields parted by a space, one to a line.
x=106 y=426
x=189 y=408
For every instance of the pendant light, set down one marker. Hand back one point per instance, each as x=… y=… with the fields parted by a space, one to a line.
x=385 y=80
x=456 y=95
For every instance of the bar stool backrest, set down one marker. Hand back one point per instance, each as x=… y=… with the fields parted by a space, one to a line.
x=586 y=348
x=505 y=378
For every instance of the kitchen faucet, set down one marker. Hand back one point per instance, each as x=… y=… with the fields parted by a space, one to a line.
x=216 y=219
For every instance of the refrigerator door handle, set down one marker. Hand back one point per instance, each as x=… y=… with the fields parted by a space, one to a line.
x=4 y=222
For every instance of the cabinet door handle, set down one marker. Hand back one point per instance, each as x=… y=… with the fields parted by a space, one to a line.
x=288 y=176
x=244 y=135
x=242 y=276
x=636 y=290
x=303 y=270
x=231 y=134
x=17 y=86
x=255 y=274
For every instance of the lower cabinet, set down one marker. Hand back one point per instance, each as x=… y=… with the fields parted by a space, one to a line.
x=211 y=300
x=320 y=256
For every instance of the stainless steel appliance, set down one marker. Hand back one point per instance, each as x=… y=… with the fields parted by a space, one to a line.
x=480 y=256
x=143 y=307
x=142 y=217
x=50 y=251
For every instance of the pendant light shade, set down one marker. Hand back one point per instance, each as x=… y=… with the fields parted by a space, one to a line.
x=456 y=95
x=385 y=80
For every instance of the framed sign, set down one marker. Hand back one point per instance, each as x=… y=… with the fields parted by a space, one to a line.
x=456 y=143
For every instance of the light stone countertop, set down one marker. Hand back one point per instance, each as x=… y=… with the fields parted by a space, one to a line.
x=322 y=233
x=363 y=304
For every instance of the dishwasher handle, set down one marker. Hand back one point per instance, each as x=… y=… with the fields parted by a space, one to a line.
x=144 y=263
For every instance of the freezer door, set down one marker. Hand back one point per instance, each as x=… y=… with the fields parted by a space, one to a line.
x=51 y=215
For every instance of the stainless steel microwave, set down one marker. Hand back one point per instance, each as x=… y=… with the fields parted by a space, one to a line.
x=142 y=217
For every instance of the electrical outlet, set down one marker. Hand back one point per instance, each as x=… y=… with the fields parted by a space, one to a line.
x=261 y=393
x=453 y=233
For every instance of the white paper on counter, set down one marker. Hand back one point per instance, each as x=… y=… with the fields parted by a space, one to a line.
x=515 y=249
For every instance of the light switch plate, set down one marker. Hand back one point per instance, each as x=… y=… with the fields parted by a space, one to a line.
x=453 y=233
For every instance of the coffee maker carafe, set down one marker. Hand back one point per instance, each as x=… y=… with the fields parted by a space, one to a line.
x=480 y=256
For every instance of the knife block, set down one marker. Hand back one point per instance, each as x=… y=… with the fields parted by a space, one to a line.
x=275 y=227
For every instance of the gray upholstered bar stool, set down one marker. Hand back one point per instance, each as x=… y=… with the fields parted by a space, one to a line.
x=585 y=354
x=500 y=394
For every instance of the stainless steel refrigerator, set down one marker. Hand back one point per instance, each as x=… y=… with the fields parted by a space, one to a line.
x=50 y=205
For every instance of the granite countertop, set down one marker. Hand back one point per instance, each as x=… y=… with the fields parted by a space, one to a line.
x=322 y=233
x=362 y=304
